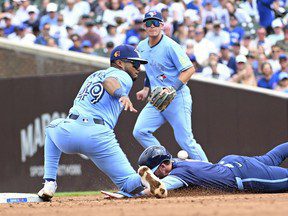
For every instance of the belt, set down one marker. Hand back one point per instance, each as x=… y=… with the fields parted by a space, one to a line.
x=96 y=121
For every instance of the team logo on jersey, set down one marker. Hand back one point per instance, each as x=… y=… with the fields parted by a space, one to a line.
x=152 y=13
x=117 y=54
x=162 y=77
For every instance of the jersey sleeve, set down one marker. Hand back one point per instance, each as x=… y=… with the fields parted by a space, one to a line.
x=173 y=182
x=123 y=78
x=179 y=57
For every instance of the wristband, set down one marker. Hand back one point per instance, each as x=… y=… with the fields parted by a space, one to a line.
x=119 y=93
x=177 y=84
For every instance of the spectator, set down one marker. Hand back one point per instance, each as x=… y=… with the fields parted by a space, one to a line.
x=32 y=20
x=114 y=10
x=222 y=14
x=241 y=15
x=113 y=36
x=236 y=31
x=76 y=47
x=44 y=37
x=245 y=76
x=22 y=13
x=93 y=37
x=283 y=44
x=106 y=51
x=227 y=59
x=70 y=13
x=202 y=46
x=261 y=40
x=274 y=58
x=9 y=27
x=43 y=12
x=82 y=7
x=282 y=83
x=267 y=81
x=87 y=47
x=218 y=36
x=51 y=16
x=21 y=35
x=250 y=6
x=278 y=33
x=208 y=13
x=133 y=41
x=215 y=69
x=134 y=30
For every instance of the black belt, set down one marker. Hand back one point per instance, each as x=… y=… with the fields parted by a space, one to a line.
x=96 y=121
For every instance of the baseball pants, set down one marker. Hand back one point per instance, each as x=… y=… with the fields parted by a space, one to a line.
x=97 y=142
x=260 y=173
x=178 y=114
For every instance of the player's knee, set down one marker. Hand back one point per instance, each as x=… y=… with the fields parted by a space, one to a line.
x=137 y=133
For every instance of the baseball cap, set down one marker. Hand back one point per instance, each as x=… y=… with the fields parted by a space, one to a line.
x=241 y=58
x=282 y=57
x=51 y=7
x=125 y=51
x=224 y=46
x=153 y=15
x=283 y=75
x=86 y=43
x=277 y=23
x=192 y=57
x=133 y=40
x=32 y=9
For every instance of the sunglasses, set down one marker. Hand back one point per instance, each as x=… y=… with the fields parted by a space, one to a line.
x=149 y=23
x=136 y=64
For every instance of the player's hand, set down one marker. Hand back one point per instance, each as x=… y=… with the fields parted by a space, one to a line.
x=127 y=104
x=168 y=90
x=143 y=94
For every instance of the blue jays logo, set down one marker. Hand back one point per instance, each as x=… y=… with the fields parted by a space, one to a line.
x=117 y=54
x=152 y=13
x=162 y=77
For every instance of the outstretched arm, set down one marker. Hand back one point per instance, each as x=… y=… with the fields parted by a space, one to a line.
x=114 y=88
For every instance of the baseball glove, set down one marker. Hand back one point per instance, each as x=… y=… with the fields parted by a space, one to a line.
x=161 y=102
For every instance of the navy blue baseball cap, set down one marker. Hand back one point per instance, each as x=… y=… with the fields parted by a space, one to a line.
x=282 y=57
x=153 y=15
x=125 y=51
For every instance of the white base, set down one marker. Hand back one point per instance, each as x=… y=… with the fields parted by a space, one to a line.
x=19 y=198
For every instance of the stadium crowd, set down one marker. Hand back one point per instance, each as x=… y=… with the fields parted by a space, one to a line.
x=239 y=41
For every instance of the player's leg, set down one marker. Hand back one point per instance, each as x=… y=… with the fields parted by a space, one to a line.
x=258 y=177
x=276 y=156
x=105 y=152
x=52 y=156
x=148 y=121
x=178 y=114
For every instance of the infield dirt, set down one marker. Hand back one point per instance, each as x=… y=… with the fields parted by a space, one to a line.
x=191 y=202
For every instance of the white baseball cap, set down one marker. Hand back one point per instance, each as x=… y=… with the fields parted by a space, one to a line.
x=32 y=8
x=283 y=75
x=51 y=7
x=241 y=58
x=277 y=23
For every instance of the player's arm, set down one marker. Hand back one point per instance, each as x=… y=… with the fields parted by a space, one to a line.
x=114 y=88
x=143 y=94
x=184 y=77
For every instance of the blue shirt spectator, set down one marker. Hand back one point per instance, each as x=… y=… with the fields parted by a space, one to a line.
x=266 y=14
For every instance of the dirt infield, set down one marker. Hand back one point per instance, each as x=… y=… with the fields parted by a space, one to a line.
x=180 y=203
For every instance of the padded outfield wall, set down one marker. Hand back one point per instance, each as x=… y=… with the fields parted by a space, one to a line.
x=227 y=118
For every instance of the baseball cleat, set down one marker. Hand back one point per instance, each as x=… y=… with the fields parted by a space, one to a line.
x=48 y=191
x=149 y=180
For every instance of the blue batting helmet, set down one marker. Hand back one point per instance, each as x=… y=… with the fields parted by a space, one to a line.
x=153 y=156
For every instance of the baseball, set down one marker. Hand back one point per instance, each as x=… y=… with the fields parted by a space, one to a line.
x=182 y=155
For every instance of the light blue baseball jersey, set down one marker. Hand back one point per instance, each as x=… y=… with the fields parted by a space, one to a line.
x=93 y=101
x=166 y=61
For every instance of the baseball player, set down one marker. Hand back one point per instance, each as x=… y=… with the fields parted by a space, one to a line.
x=88 y=129
x=233 y=172
x=168 y=66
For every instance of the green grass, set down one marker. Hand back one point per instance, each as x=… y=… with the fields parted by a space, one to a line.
x=82 y=193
